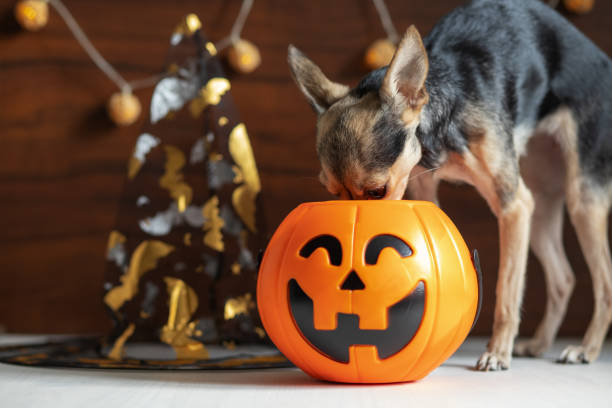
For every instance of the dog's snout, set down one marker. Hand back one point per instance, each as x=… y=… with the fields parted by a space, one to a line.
x=376 y=193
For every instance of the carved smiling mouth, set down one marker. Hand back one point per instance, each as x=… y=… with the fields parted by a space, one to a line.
x=404 y=319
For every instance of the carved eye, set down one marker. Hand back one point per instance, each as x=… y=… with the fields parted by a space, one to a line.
x=330 y=243
x=377 y=193
x=380 y=242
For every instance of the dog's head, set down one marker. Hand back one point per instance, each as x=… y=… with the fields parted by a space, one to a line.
x=366 y=138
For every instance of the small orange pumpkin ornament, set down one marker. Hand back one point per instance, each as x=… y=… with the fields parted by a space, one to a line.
x=368 y=291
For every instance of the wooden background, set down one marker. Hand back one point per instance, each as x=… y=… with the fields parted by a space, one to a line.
x=62 y=164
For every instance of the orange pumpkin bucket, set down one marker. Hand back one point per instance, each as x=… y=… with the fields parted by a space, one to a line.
x=368 y=291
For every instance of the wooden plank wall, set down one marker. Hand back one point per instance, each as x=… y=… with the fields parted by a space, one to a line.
x=62 y=164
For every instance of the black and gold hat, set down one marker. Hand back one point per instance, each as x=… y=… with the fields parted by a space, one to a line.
x=182 y=259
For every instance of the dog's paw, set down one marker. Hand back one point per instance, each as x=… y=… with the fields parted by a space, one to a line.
x=490 y=361
x=576 y=355
x=529 y=348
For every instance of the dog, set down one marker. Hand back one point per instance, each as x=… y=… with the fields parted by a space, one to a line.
x=509 y=97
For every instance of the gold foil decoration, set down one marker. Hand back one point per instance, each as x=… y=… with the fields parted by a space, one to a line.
x=260 y=332
x=223 y=121
x=243 y=197
x=172 y=68
x=172 y=180
x=136 y=364
x=115 y=238
x=182 y=304
x=215 y=157
x=182 y=203
x=210 y=47
x=237 y=306
x=134 y=166
x=209 y=94
x=235 y=268
x=144 y=144
x=238 y=179
x=31 y=358
x=116 y=352
x=143 y=259
x=190 y=24
x=187 y=239
x=213 y=224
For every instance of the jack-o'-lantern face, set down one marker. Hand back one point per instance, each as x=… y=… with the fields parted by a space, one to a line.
x=358 y=291
x=401 y=319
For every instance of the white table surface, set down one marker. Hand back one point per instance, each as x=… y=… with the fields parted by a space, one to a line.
x=529 y=383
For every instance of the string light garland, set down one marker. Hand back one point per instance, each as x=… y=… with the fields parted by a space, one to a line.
x=243 y=56
x=381 y=51
x=123 y=107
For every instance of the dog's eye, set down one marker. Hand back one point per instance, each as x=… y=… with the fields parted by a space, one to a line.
x=377 y=193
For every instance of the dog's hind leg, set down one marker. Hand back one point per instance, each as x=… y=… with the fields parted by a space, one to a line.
x=547 y=244
x=588 y=207
x=543 y=169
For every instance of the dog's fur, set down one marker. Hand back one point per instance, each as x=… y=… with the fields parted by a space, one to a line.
x=506 y=96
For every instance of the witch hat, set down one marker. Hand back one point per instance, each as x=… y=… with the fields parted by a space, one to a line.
x=182 y=259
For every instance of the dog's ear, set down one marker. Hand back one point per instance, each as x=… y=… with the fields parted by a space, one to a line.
x=320 y=91
x=404 y=83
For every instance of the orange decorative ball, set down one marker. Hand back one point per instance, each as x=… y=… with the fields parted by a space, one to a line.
x=368 y=291
x=244 y=56
x=123 y=108
x=379 y=54
x=32 y=14
x=579 y=6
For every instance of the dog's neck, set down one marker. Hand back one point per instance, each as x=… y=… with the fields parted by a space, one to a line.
x=439 y=123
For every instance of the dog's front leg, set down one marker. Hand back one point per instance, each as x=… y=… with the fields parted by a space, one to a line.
x=514 y=219
x=495 y=175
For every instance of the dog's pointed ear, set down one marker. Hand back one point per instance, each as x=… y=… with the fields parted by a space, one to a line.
x=320 y=91
x=404 y=82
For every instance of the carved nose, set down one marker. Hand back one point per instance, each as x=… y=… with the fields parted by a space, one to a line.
x=352 y=282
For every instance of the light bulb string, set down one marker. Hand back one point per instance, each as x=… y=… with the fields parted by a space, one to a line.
x=89 y=48
x=385 y=19
x=234 y=35
x=111 y=72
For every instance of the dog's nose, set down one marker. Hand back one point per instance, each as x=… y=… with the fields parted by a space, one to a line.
x=352 y=282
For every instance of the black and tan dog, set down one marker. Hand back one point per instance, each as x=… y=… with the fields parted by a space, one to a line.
x=509 y=97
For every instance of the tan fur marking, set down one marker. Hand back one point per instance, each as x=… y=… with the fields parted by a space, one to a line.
x=411 y=116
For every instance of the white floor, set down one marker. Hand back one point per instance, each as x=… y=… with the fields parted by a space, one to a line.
x=529 y=383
